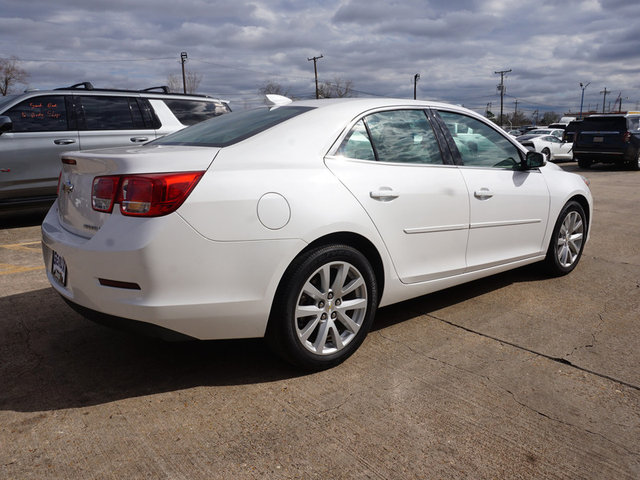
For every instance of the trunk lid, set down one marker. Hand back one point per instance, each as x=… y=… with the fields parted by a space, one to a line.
x=79 y=169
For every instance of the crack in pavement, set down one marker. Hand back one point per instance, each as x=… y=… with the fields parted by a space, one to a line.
x=563 y=361
x=511 y=394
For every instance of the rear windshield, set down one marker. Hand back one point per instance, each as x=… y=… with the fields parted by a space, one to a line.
x=618 y=124
x=190 y=112
x=6 y=100
x=232 y=127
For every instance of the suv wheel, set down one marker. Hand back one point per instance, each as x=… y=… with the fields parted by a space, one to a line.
x=582 y=163
x=635 y=164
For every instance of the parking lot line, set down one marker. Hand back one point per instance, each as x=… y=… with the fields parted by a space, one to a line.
x=24 y=246
x=8 y=269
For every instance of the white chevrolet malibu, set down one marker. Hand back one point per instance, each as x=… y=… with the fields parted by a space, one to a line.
x=296 y=221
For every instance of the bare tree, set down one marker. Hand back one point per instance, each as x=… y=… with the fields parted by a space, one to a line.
x=550 y=117
x=192 y=82
x=10 y=74
x=273 y=87
x=339 y=88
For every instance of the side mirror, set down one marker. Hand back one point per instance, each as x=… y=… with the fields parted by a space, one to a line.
x=534 y=160
x=6 y=124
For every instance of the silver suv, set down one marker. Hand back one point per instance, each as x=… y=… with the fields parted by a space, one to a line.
x=36 y=126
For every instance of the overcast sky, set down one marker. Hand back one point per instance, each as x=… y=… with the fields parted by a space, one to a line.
x=238 y=46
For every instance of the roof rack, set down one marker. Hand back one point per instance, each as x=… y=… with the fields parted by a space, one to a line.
x=85 y=85
x=162 y=90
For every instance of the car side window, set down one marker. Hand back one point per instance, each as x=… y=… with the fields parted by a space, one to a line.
x=357 y=144
x=396 y=136
x=480 y=145
x=39 y=114
x=110 y=113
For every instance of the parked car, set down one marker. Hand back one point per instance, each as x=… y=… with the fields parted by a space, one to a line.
x=608 y=139
x=557 y=132
x=36 y=126
x=295 y=222
x=554 y=148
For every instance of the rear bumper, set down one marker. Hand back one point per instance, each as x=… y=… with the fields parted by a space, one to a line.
x=187 y=283
x=606 y=156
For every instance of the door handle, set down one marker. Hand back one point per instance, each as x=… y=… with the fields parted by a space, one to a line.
x=64 y=141
x=139 y=139
x=384 y=194
x=483 y=193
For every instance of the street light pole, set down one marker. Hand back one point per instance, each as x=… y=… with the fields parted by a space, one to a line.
x=583 y=87
x=416 y=77
x=183 y=58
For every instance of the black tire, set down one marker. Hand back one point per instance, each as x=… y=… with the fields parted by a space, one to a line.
x=635 y=164
x=547 y=152
x=329 y=331
x=582 y=163
x=567 y=241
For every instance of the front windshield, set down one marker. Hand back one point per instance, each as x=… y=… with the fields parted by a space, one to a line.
x=231 y=128
x=5 y=100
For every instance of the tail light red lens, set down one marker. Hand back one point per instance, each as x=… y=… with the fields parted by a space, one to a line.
x=626 y=137
x=147 y=195
x=103 y=193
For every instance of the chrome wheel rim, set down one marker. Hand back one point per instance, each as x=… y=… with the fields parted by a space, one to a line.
x=570 y=239
x=331 y=308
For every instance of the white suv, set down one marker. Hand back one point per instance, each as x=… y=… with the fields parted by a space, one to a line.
x=36 y=126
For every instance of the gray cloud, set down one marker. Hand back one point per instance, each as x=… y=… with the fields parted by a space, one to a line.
x=379 y=45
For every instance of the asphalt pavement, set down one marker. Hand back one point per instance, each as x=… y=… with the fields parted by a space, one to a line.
x=516 y=376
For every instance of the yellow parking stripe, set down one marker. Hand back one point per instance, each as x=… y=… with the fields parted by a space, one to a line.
x=25 y=246
x=8 y=269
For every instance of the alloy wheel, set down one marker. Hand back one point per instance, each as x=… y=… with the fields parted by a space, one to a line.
x=331 y=308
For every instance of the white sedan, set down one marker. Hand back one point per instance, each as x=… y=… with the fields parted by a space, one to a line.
x=296 y=221
x=554 y=148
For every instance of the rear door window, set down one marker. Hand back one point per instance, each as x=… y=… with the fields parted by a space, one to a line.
x=47 y=113
x=396 y=136
x=109 y=113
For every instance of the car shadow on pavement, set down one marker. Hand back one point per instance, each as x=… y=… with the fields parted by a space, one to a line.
x=52 y=358
x=22 y=217
x=400 y=312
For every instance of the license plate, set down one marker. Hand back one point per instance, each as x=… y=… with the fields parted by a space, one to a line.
x=598 y=139
x=59 y=269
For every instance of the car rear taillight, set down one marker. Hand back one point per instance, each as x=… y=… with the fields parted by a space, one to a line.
x=145 y=195
x=103 y=193
x=626 y=137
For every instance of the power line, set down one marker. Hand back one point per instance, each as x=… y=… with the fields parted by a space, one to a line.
x=97 y=61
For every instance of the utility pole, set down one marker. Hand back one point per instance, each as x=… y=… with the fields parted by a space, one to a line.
x=583 y=87
x=605 y=91
x=315 y=70
x=183 y=58
x=416 y=77
x=501 y=88
x=535 y=117
x=515 y=113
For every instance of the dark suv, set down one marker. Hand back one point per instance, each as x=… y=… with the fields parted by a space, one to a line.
x=37 y=126
x=608 y=139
